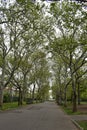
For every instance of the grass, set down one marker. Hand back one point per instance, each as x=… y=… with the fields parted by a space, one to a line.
x=84 y=102
x=8 y=106
x=69 y=111
x=83 y=124
x=13 y=105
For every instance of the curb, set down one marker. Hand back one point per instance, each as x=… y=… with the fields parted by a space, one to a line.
x=77 y=125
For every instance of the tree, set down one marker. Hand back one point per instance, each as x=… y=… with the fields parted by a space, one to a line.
x=16 y=38
x=69 y=21
x=39 y=73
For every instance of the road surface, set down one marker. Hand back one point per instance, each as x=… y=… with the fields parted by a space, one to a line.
x=44 y=116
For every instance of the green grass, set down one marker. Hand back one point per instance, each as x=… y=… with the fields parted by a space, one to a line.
x=83 y=124
x=8 y=106
x=69 y=111
x=83 y=102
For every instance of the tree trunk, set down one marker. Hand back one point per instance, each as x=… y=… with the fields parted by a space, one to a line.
x=20 y=97
x=33 y=92
x=78 y=93
x=73 y=78
x=57 y=98
x=2 y=83
x=74 y=102
x=74 y=94
x=60 y=99
x=1 y=97
x=11 y=95
x=65 y=98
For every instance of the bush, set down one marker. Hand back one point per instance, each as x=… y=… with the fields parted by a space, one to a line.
x=6 y=98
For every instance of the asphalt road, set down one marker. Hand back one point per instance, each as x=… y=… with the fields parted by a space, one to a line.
x=44 y=116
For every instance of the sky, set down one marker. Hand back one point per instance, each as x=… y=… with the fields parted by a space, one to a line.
x=6 y=2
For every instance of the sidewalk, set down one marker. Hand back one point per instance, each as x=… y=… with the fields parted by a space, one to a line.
x=79 y=117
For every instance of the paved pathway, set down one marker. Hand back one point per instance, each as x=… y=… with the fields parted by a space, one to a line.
x=44 y=116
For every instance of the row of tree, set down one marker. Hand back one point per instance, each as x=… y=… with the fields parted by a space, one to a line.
x=23 y=63
x=30 y=33
x=69 y=51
